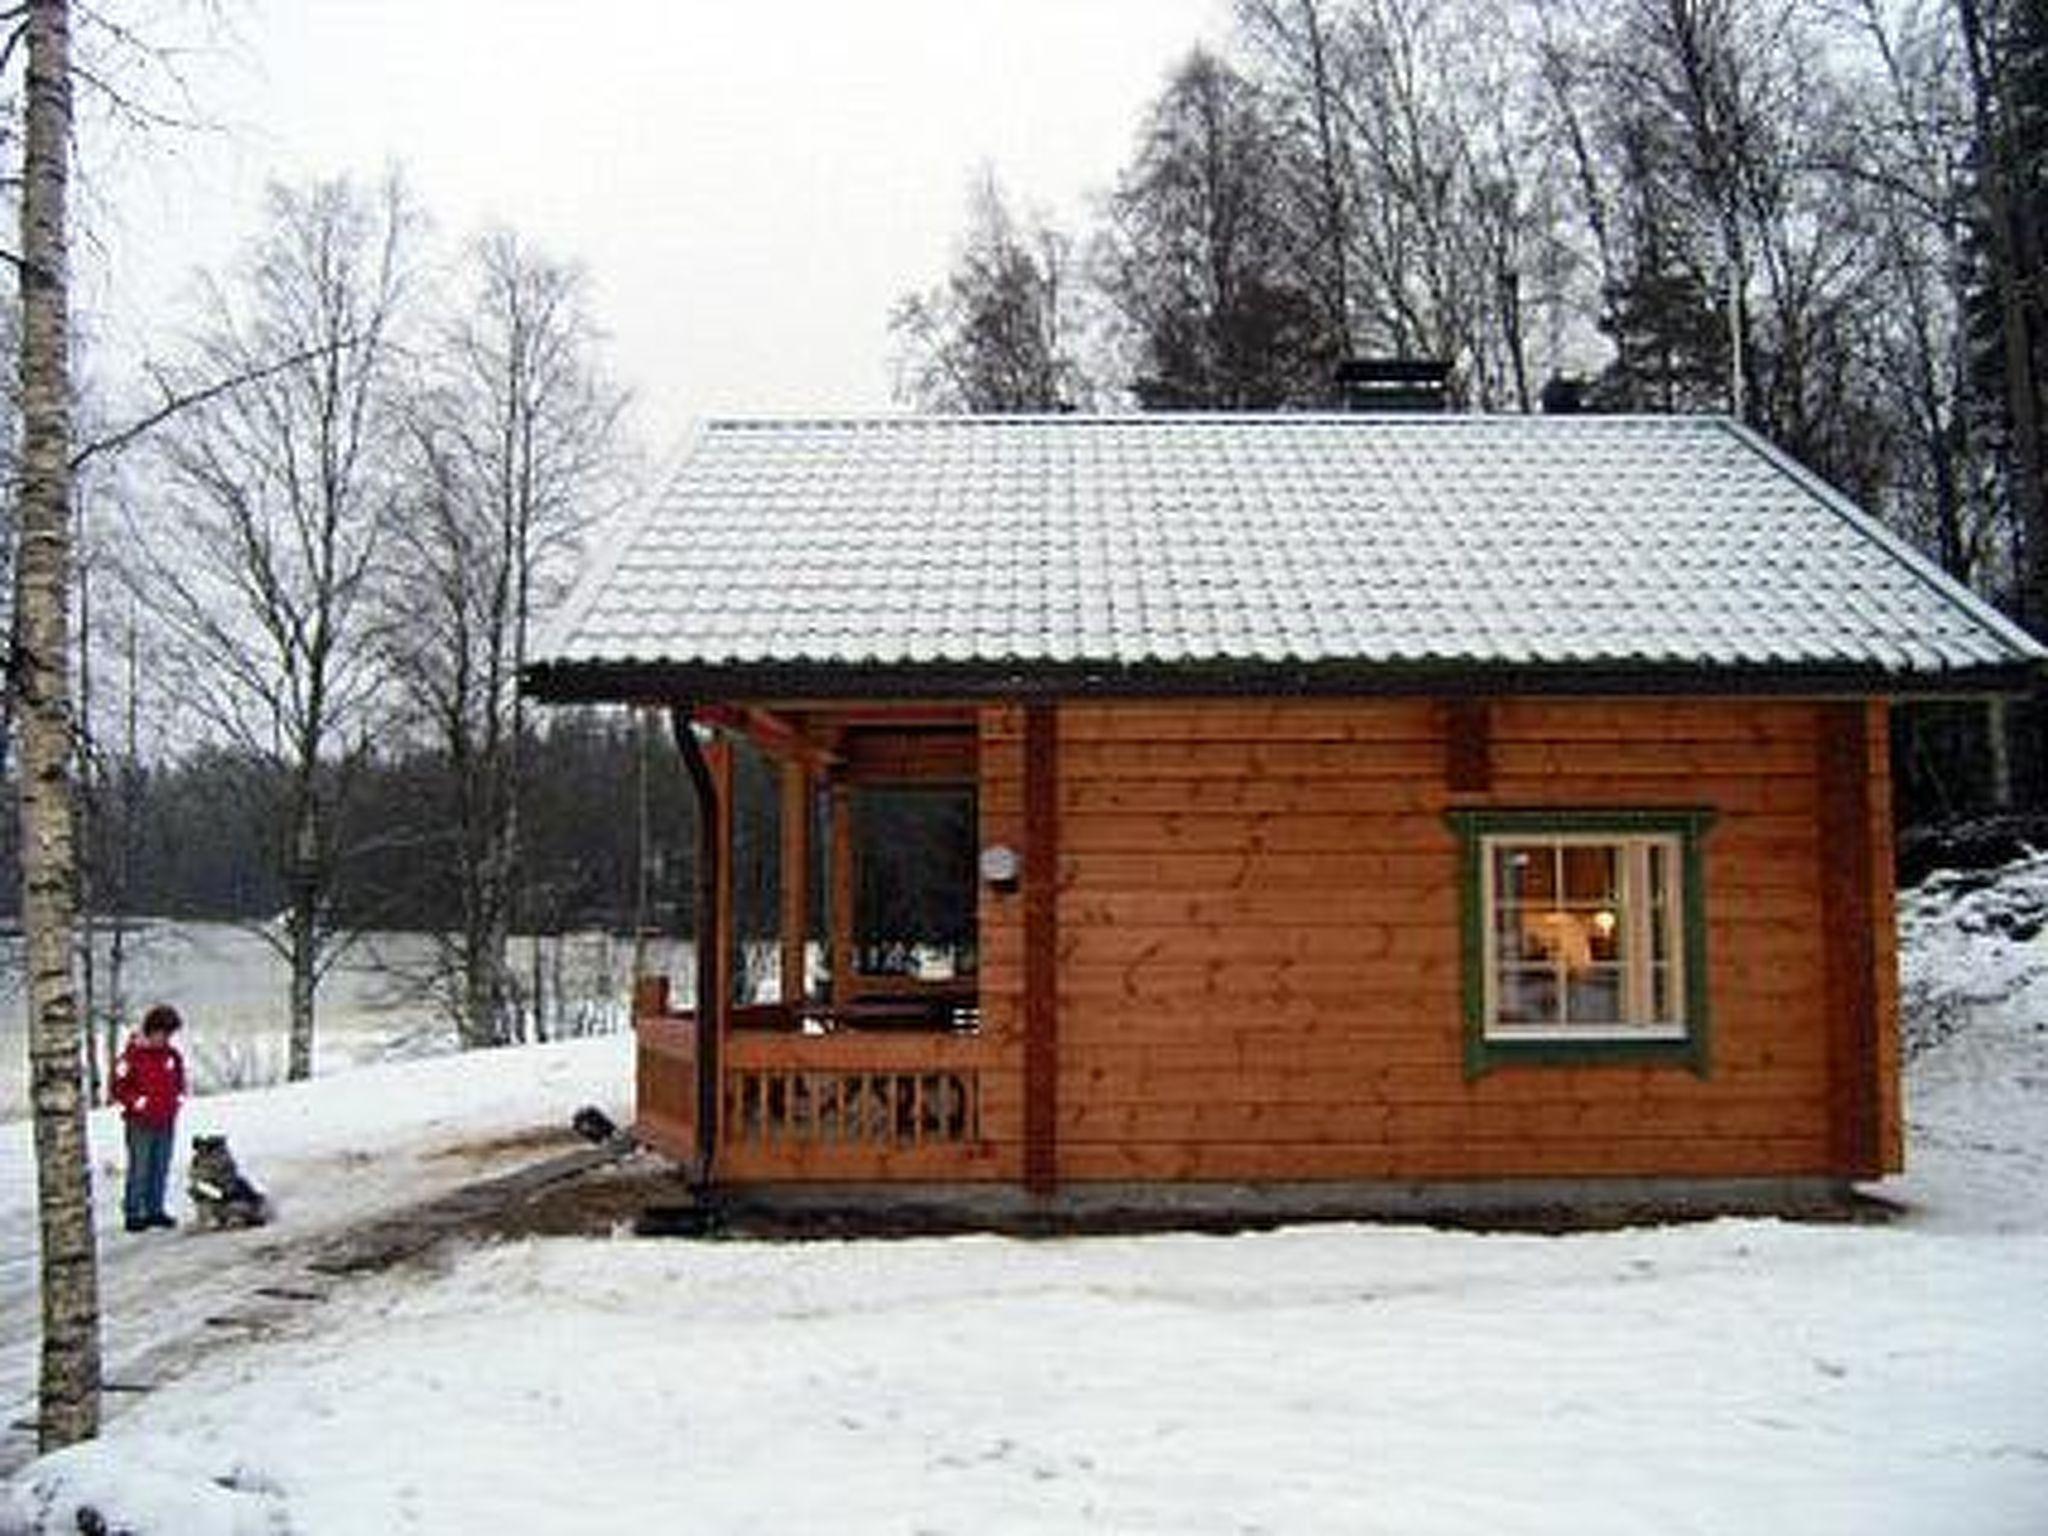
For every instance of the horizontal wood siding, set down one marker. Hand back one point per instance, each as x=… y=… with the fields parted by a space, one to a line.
x=665 y=1073
x=1891 y=1127
x=1259 y=962
x=1000 y=917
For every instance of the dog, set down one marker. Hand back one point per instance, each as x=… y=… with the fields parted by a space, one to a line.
x=220 y=1194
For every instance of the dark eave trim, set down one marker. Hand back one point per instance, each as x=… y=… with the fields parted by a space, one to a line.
x=656 y=682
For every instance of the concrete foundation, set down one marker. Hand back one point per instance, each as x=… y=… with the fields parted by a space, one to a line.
x=1525 y=1204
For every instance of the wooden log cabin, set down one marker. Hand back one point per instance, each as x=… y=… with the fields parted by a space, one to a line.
x=1347 y=805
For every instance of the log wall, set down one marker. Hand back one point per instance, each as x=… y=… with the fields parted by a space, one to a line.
x=1258 y=963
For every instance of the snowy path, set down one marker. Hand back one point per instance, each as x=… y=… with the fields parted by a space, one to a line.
x=333 y=1157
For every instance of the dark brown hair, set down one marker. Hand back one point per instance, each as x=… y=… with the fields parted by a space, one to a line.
x=162 y=1020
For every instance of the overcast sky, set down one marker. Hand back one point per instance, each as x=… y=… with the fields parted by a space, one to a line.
x=750 y=183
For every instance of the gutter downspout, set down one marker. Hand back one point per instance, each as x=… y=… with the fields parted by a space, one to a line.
x=710 y=963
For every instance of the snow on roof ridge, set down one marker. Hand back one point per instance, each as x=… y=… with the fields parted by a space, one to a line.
x=1159 y=420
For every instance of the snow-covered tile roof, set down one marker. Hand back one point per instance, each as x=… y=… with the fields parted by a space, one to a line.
x=1161 y=547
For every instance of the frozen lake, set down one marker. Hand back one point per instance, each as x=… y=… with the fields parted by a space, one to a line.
x=230 y=985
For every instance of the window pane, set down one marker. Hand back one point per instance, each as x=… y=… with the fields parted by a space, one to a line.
x=1663 y=964
x=1563 y=937
x=1585 y=932
x=1518 y=938
x=1524 y=875
x=1594 y=996
x=1590 y=875
x=1527 y=996
x=1604 y=930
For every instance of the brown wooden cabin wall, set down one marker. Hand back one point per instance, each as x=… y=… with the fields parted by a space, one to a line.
x=1000 y=924
x=1884 y=925
x=1259 y=963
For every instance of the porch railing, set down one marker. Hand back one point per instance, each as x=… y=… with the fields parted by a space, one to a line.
x=854 y=1102
x=895 y=1109
x=881 y=1092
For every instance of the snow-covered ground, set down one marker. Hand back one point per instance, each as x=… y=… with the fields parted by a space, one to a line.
x=331 y=1152
x=1732 y=1376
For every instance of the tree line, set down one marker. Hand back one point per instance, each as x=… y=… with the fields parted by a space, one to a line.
x=198 y=835
x=1827 y=218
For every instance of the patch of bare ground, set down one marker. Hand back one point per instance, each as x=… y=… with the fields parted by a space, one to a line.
x=596 y=1202
x=539 y=1139
x=584 y=1190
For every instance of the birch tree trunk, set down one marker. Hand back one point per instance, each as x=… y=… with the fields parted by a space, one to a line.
x=302 y=929
x=70 y=1387
x=82 y=824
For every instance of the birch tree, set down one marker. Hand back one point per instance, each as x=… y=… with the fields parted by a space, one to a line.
x=276 y=499
x=1740 y=276
x=41 y=678
x=1422 y=200
x=1293 y=38
x=1909 y=173
x=513 y=445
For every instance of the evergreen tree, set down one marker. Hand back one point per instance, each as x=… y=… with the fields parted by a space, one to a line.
x=1000 y=334
x=1198 y=265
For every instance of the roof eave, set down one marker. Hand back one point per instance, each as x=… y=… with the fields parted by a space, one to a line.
x=663 y=682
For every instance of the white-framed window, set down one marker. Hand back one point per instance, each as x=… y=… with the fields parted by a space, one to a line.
x=1584 y=936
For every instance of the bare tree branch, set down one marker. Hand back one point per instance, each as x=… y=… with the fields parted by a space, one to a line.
x=176 y=402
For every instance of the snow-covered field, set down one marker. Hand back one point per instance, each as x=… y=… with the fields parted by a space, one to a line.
x=1733 y=1376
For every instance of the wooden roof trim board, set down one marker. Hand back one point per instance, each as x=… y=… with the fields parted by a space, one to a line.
x=660 y=682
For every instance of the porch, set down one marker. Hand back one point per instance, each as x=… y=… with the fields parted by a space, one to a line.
x=862 y=1049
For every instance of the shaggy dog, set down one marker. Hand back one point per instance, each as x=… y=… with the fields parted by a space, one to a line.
x=219 y=1193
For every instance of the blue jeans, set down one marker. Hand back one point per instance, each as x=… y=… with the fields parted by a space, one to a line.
x=149 y=1171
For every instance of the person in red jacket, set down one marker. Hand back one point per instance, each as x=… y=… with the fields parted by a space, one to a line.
x=149 y=1085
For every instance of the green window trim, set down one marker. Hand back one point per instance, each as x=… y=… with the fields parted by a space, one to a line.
x=1486 y=1053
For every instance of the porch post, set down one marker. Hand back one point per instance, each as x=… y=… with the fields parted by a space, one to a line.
x=1041 y=948
x=711 y=989
x=844 y=986
x=718 y=757
x=796 y=881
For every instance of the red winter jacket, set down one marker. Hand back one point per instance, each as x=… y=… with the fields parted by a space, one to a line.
x=149 y=1081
